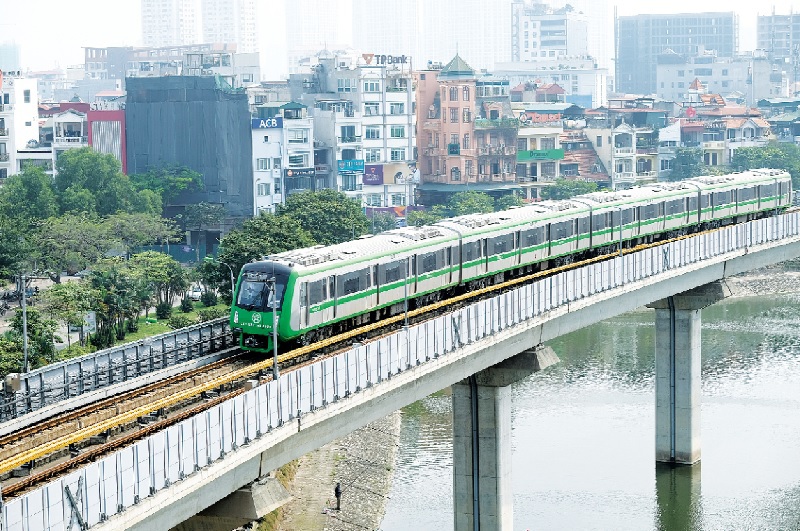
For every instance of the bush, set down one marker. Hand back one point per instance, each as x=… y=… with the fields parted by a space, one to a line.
x=186 y=305
x=163 y=310
x=207 y=314
x=180 y=321
x=132 y=325
x=209 y=298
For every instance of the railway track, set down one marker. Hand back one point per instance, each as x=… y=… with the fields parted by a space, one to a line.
x=299 y=356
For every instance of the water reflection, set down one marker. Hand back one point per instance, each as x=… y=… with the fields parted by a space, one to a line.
x=678 y=495
x=583 y=433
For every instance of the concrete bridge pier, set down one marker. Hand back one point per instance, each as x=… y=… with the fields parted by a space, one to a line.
x=482 y=489
x=678 y=372
x=240 y=508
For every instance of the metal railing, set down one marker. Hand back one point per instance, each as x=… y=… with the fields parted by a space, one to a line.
x=123 y=479
x=34 y=390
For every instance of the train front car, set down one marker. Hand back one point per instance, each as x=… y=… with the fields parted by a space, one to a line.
x=257 y=309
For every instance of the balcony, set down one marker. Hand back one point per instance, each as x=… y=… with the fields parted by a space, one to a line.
x=3 y=132
x=497 y=177
x=624 y=177
x=432 y=125
x=432 y=152
x=623 y=151
x=525 y=155
x=715 y=144
x=349 y=139
x=667 y=150
x=500 y=123
x=6 y=107
x=3 y=157
x=646 y=174
x=497 y=150
x=70 y=140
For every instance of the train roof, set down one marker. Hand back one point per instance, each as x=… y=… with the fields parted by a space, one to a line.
x=409 y=238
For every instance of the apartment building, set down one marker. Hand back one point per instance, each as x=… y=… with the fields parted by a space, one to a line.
x=540 y=32
x=365 y=126
x=467 y=133
x=640 y=39
x=19 y=121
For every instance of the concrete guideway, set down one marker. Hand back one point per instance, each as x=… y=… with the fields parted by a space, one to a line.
x=275 y=423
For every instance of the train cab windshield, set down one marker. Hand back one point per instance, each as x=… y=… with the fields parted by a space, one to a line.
x=255 y=291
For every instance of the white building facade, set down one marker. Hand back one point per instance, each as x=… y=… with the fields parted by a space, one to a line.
x=230 y=21
x=19 y=121
x=539 y=32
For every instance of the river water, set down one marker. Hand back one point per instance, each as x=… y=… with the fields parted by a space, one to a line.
x=583 y=433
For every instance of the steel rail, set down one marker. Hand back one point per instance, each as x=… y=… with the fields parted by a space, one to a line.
x=106 y=402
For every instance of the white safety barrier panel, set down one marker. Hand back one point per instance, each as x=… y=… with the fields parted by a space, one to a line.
x=104 y=488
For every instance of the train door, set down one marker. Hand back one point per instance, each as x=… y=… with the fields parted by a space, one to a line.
x=377 y=283
x=303 y=305
x=518 y=248
x=333 y=296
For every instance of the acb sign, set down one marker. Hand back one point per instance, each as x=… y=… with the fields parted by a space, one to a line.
x=268 y=123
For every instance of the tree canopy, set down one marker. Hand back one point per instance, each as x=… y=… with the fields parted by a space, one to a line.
x=781 y=156
x=28 y=197
x=328 y=216
x=266 y=234
x=168 y=182
x=507 y=201
x=566 y=188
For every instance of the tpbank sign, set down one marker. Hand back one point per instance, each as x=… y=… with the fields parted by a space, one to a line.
x=268 y=123
x=380 y=59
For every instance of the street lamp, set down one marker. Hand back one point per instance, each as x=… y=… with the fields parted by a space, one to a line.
x=23 y=280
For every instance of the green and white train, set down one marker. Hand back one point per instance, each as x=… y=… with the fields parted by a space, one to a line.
x=321 y=291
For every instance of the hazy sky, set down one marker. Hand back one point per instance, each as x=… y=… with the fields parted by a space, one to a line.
x=52 y=33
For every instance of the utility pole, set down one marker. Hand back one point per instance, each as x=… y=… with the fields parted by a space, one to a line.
x=23 y=279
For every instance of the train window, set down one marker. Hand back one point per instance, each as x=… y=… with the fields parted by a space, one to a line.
x=502 y=244
x=784 y=188
x=533 y=237
x=390 y=272
x=705 y=201
x=354 y=282
x=331 y=285
x=649 y=211
x=428 y=262
x=746 y=194
x=583 y=225
x=767 y=191
x=675 y=207
x=317 y=292
x=599 y=221
x=721 y=198
x=561 y=230
x=303 y=290
x=693 y=203
x=470 y=251
x=628 y=216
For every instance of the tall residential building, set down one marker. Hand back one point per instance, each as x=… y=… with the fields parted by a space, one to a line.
x=539 y=33
x=19 y=121
x=779 y=36
x=467 y=134
x=230 y=21
x=365 y=115
x=170 y=22
x=640 y=39
x=477 y=30
x=600 y=32
x=9 y=57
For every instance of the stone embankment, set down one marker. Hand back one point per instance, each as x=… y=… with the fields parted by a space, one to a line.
x=362 y=463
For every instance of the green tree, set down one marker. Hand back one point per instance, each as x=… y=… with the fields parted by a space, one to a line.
x=136 y=230
x=168 y=182
x=203 y=215
x=116 y=300
x=13 y=247
x=28 y=197
x=109 y=191
x=383 y=221
x=258 y=237
x=69 y=243
x=418 y=218
x=688 y=163
x=328 y=216
x=164 y=273
x=69 y=303
x=507 y=201
x=10 y=353
x=780 y=156
x=470 y=202
x=41 y=336
x=566 y=188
